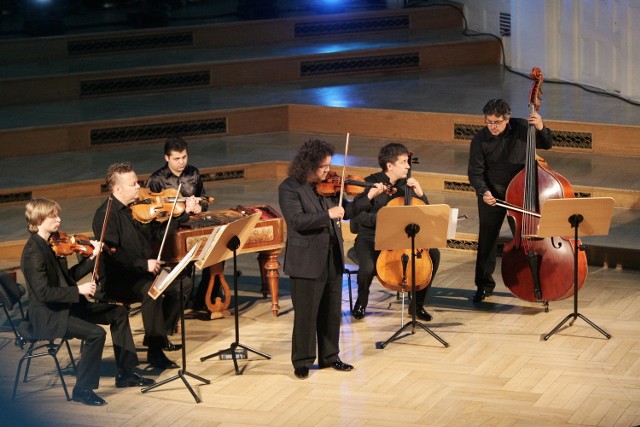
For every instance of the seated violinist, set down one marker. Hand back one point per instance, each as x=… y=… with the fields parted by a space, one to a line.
x=128 y=273
x=394 y=160
x=58 y=307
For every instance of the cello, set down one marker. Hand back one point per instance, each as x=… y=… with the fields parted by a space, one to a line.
x=392 y=265
x=534 y=268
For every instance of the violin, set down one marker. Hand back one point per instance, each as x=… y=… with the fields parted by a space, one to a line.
x=353 y=185
x=65 y=245
x=159 y=206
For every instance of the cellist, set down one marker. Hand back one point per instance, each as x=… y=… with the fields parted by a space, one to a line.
x=394 y=160
x=496 y=155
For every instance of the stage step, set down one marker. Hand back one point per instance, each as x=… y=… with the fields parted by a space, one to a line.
x=221 y=55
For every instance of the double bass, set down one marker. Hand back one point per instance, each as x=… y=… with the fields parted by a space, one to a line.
x=538 y=269
x=393 y=266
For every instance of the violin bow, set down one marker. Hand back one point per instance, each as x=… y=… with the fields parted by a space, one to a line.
x=102 y=234
x=344 y=169
x=166 y=231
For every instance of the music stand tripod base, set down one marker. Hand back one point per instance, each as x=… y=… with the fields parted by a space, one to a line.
x=183 y=370
x=233 y=244
x=559 y=217
x=435 y=219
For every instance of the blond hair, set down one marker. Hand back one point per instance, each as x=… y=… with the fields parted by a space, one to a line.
x=37 y=210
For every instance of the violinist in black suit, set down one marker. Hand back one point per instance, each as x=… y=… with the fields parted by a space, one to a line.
x=58 y=307
x=129 y=272
x=314 y=257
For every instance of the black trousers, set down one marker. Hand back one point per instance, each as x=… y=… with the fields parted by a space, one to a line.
x=491 y=219
x=367 y=257
x=159 y=316
x=83 y=324
x=317 y=305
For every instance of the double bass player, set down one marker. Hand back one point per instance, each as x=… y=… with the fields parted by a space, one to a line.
x=496 y=155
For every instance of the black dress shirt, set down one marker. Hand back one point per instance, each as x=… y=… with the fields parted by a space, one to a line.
x=131 y=239
x=495 y=160
x=364 y=225
x=190 y=179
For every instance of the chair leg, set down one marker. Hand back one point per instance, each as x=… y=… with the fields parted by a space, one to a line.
x=51 y=350
x=349 y=272
x=73 y=361
x=22 y=359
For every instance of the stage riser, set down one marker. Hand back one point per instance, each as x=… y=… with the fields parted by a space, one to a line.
x=234 y=73
x=230 y=34
x=389 y=124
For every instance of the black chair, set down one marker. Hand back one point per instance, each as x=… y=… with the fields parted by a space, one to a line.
x=10 y=295
x=350 y=269
x=39 y=348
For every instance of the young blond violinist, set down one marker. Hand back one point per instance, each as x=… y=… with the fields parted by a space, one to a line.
x=58 y=307
x=394 y=161
x=128 y=273
x=314 y=257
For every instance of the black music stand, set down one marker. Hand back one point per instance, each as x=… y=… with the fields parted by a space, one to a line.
x=392 y=224
x=231 y=238
x=164 y=279
x=558 y=217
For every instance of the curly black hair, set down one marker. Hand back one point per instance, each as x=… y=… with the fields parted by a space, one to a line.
x=309 y=157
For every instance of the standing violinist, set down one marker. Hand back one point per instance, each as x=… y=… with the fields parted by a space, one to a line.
x=314 y=257
x=178 y=172
x=58 y=306
x=496 y=155
x=129 y=272
x=394 y=160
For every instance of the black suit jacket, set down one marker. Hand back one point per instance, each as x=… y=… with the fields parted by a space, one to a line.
x=52 y=287
x=308 y=222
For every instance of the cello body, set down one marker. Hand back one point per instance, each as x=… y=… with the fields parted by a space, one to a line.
x=394 y=266
x=536 y=268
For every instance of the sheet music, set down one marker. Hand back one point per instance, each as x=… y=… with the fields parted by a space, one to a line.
x=165 y=277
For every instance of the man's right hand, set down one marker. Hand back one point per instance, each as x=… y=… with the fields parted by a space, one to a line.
x=87 y=289
x=488 y=198
x=153 y=266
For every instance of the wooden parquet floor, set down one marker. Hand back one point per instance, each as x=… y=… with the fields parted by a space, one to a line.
x=498 y=370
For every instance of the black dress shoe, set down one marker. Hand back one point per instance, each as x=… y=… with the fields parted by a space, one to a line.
x=421 y=314
x=338 y=365
x=88 y=397
x=133 y=379
x=480 y=295
x=157 y=359
x=301 y=373
x=358 y=312
x=171 y=346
